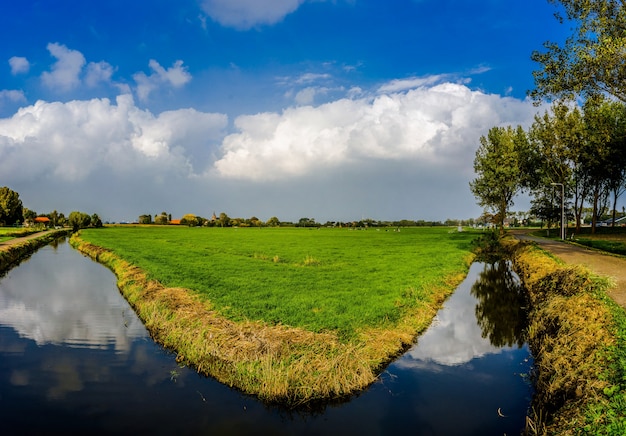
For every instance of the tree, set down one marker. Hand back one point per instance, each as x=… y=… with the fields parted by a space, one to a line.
x=273 y=222
x=28 y=215
x=555 y=155
x=592 y=61
x=79 y=220
x=597 y=132
x=54 y=217
x=189 y=220
x=224 y=220
x=307 y=222
x=161 y=219
x=11 y=209
x=95 y=221
x=497 y=167
x=145 y=219
x=616 y=160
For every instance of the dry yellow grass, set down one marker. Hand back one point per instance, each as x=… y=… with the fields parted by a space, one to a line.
x=276 y=363
x=569 y=337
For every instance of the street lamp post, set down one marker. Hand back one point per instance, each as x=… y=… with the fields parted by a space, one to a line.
x=562 y=208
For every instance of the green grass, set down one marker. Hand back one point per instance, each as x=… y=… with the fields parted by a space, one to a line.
x=7 y=233
x=608 y=417
x=319 y=280
x=615 y=247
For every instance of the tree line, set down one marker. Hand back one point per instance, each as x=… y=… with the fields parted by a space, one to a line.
x=575 y=153
x=223 y=220
x=13 y=213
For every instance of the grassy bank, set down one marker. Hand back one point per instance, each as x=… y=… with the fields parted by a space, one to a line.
x=8 y=233
x=578 y=339
x=290 y=315
x=11 y=255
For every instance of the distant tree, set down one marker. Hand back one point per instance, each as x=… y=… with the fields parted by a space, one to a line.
x=224 y=220
x=497 y=167
x=592 y=61
x=28 y=216
x=189 y=220
x=61 y=220
x=54 y=217
x=11 y=209
x=307 y=222
x=95 y=221
x=161 y=219
x=254 y=222
x=78 y=220
x=273 y=222
x=145 y=219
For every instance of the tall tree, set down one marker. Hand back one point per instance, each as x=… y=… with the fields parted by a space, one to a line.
x=616 y=161
x=554 y=156
x=11 y=208
x=592 y=61
x=497 y=166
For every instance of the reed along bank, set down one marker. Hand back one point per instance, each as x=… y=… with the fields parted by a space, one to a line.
x=577 y=335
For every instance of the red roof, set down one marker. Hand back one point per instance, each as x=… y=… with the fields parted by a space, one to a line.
x=42 y=219
x=175 y=222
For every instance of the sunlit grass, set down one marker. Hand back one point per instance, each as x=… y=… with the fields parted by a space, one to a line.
x=7 y=233
x=578 y=338
x=320 y=280
x=611 y=243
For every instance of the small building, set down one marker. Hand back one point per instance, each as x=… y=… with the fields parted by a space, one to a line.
x=175 y=222
x=42 y=220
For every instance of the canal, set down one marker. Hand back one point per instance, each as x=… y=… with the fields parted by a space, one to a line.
x=75 y=359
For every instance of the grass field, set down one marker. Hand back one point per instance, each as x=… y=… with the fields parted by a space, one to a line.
x=319 y=280
x=609 y=240
x=7 y=233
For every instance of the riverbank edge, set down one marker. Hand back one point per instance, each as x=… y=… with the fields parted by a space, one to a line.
x=14 y=253
x=278 y=364
x=577 y=336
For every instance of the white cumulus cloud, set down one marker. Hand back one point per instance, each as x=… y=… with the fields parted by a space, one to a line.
x=245 y=14
x=12 y=95
x=19 y=65
x=436 y=125
x=65 y=72
x=176 y=76
x=72 y=141
x=98 y=72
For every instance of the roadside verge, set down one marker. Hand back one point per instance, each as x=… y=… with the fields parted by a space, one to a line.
x=577 y=335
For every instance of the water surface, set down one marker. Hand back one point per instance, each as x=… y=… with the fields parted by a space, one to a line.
x=74 y=358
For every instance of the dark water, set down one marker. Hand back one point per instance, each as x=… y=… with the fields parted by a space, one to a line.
x=74 y=359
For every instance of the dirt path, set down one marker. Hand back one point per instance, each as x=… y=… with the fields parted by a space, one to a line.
x=4 y=245
x=604 y=264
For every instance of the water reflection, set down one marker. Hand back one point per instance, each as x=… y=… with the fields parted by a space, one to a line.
x=74 y=355
x=501 y=307
x=51 y=304
x=489 y=295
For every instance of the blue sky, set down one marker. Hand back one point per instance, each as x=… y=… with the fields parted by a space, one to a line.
x=334 y=110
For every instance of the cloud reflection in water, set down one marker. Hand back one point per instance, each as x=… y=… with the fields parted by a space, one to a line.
x=78 y=313
x=455 y=337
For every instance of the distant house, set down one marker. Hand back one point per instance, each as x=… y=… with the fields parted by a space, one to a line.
x=175 y=222
x=608 y=223
x=42 y=220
